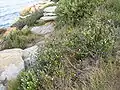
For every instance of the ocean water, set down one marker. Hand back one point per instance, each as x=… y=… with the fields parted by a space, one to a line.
x=9 y=10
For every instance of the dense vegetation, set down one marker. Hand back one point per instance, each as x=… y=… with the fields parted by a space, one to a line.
x=19 y=39
x=82 y=53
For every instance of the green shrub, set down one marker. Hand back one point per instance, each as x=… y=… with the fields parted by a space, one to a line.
x=71 y=12
x=28 y=81
x=19 y=39
x=29 y=20
x=13 y=84
x=73 y=52
x=63 y=56
x=113 y=6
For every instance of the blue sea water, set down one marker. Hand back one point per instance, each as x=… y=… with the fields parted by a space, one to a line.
x=9 y=10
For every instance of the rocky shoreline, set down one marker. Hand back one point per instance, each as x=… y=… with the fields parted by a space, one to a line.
x=34 y=13
x=13 y=61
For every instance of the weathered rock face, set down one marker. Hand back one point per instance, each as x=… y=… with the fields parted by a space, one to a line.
x=30 y=56
x=44 y=29
x=11 y=63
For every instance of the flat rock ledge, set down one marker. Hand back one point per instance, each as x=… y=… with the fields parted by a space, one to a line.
x=44 y=29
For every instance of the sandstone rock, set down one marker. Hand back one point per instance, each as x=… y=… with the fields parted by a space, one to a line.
x=11 y=63
x=31 y=9
x=25 y=11
x=28 y=10
x=9 y=30
x=44 y=29
x=50 y=9
x=48 y=18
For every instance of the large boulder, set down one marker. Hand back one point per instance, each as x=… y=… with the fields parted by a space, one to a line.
x=44 y=29
x=11 y=63
x=30 y=56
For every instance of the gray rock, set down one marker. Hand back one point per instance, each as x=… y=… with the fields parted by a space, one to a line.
x=11 y=63
x=48 y=18
x=30 y=56
x=49 y=14
x=44 y=29
x=50 y=9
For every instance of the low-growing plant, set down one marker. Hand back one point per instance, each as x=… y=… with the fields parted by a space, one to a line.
x=13 y=84
x=62 y=57
x=28 y=20
x=68 y=58
x=71 y=12
x=28 y=80
x=19 y=39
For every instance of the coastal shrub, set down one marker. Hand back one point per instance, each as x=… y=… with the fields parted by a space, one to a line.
x=64 y=56
x=68 y=58
x=114 y=8
x=13 y=84
x=113 y=5
x=71 y=12
x=28 y=81
x=28 y=20
x=19 y=39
